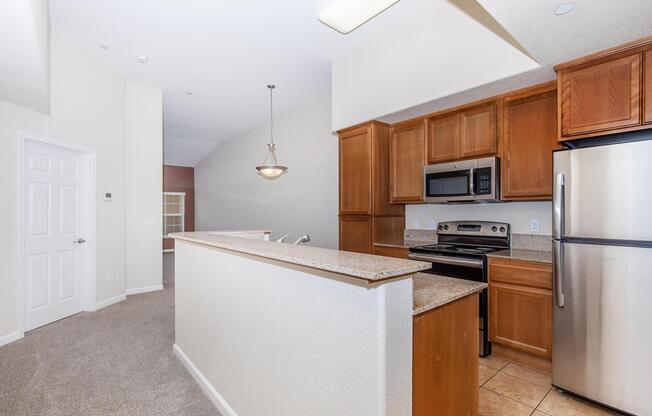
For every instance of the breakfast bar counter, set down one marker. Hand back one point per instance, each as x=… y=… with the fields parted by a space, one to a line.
x=273 y=328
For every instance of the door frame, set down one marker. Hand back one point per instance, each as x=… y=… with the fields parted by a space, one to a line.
x=89 y=284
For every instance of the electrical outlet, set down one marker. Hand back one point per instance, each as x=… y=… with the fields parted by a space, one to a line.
x=432 y=224
x=535 y=226
x=415 y=224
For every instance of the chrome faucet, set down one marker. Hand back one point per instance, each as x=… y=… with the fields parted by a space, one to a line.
x=303 y=239
x=282 y=238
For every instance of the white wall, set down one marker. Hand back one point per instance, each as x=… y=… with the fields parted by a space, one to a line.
x=144 y=187
x=246 y=331
x=230 y=195
x=437 y=52
x=87 y=110
x=25 y=51
x=518 y=214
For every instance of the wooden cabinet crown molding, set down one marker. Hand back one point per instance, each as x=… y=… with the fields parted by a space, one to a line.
x=635 y=46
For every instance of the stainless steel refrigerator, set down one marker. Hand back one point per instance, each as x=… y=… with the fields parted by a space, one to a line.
x=602 y=268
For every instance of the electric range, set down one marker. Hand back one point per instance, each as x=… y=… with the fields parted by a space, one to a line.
x=460 y=252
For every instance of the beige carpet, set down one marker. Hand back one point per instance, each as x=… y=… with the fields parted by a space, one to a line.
x=116 y=361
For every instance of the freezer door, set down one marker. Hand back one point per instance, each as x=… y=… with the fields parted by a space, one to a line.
x=602 y=336
x=607 y=192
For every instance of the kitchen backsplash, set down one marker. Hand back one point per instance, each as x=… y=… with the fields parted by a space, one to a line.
x=532 y=242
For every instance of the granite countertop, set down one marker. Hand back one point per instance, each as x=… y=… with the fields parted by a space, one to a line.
x=432 y=291
x=362 y=266
x=402 y=243
x=525 y=255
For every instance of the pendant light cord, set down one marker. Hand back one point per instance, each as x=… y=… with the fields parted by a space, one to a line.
x=271 y=113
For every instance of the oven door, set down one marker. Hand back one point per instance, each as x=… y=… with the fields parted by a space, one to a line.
x=453 y=185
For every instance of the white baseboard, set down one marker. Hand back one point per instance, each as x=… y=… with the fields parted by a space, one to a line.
x=110 y=301
x=14 y=336
x=217 y=399
x=143 y=289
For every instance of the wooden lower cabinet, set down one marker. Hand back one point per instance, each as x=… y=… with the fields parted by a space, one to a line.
x=398 y=252
x=355 y=233
x=445 y=362
x=520 y=306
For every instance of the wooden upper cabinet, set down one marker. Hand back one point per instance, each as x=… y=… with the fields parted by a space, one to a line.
x=478 y=131
x=602 y=96
x=647 y=86
x=444 y=138
x=407 y=159
x=528 y=139
x=355 y=171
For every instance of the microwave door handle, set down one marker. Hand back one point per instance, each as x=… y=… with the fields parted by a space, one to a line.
x=559 y=206
x=471 y=180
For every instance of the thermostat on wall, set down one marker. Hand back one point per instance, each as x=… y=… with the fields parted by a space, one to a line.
x=107 y=196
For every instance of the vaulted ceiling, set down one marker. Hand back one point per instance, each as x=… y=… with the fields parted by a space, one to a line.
x=225 y=52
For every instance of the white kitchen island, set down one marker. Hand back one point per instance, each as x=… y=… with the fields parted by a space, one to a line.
x=275 y=329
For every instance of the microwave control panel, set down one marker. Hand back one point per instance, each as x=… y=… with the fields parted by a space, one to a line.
x=483 y=181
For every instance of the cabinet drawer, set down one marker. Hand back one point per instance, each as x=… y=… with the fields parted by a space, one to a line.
x=523 y=273
x=399 y=252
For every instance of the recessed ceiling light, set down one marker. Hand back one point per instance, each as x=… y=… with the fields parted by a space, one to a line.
x=564 y=8
x=104 y=47
x=142 y=59
x=346 y=15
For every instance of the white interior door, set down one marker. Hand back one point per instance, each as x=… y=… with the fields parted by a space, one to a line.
x=56 y=213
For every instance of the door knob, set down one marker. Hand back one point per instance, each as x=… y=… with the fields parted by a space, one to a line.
x=79 y=241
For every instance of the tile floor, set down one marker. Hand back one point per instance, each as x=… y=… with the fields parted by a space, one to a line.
x=508 y=389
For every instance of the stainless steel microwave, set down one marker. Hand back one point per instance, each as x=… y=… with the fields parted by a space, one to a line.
x=475 y=180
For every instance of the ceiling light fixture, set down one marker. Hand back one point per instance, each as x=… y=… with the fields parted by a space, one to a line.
x=564 y=8
x=105 y=47
x=189 y=92
x=270 y=169
x=142 y=59
x=347 y=15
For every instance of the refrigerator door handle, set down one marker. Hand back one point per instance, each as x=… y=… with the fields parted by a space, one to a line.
x=559 y=206
x=558 y=271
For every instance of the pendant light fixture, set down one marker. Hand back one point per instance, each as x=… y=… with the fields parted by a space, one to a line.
x=270 y=169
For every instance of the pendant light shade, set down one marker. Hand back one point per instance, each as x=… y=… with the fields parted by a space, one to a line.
x=270 y=169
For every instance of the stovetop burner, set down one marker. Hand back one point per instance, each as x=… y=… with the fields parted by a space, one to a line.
x=449 y=248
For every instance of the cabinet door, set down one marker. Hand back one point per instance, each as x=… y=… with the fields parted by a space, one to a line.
x=407 y=159
x=444 y=139
x=478 y=130
x=529 y=137
x=521 y=318
x=355 y=233
x=647 y=86
x=355 y=171
x=601 y=97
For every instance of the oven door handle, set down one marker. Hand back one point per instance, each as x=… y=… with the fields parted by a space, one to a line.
x=455 y=261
